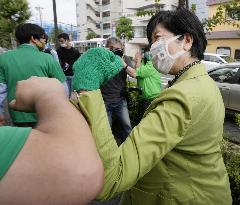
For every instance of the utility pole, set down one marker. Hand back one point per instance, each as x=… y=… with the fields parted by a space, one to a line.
x=101 y=18
x=39 y=9
x=187 y=4
x=55 y=23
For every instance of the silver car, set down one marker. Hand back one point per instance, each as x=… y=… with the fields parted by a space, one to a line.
x=227 y=77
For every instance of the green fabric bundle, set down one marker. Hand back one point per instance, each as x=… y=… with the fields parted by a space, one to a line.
x=94 y=68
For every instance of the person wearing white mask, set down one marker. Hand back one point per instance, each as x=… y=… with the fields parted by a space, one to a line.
x=173 y=155
x=67 y=56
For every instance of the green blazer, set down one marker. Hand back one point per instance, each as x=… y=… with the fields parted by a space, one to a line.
x=173 y=156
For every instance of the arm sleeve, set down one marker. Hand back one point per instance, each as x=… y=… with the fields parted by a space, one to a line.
x=55 y=55
x=77 y=54
x=66 y=87
x=158 y=133
x=145 y=71
x=12 y=139
x=55 y=71
x=2 y=73
x=3 y=95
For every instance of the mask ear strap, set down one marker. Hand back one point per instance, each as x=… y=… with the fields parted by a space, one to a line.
x=177 y=54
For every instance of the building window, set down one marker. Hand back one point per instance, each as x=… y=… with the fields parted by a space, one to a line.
x=106 y=26
x=237 y=54
x=140 y=32
x=224 y=50
x=105 y=2
x=106 y=14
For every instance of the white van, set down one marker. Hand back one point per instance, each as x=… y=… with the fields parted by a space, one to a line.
x=212 y=60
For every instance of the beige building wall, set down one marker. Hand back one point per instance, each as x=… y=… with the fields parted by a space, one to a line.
x=234 y=44
x=223 y=36
x=223 y=27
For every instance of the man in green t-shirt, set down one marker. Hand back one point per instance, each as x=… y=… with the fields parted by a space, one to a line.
x=56 y=163
x=26 y=61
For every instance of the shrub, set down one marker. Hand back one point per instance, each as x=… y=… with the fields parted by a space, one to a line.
x=231 y=159
x=237 y=118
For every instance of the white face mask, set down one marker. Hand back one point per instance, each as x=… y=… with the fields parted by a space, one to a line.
x=161 y=58
x=64 y=45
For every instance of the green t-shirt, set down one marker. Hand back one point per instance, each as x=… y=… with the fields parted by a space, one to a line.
x=21 y=64
x=12 y=140
x=149 y=79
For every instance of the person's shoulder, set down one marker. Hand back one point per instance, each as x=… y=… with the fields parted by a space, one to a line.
x=8 y=54
x=59 y=50
x=75 y=50
x=47 y=57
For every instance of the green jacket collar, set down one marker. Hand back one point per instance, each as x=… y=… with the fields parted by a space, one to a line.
x=29 y=46
x=193 y=72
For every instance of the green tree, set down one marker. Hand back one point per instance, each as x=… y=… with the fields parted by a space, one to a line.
x=91 y=35
x=124 y=28
x=52 y=35
x=12 y=13
x=227 y=13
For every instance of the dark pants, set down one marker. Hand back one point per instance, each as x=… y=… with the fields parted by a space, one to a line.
x=119 y=112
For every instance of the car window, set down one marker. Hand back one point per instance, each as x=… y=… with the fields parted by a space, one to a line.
x=226 y=74
x=206 y=57
x=213 y=58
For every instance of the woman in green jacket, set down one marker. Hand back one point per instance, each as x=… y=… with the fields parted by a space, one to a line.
x=173 y=156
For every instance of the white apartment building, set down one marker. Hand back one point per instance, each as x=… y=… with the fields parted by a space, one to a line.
x=97 y=16
x=201 y=8
x=100 y=16
x=130 y=8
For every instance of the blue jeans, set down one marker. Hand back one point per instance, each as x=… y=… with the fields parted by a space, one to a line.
x=119 y=110
x=69 y=83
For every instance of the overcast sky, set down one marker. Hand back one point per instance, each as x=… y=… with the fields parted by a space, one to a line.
x=66 y=10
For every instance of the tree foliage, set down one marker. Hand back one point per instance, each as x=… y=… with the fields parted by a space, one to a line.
x=227 y=13
x=52 y=35
x=12 y=13
x=91 y=35
x=124 y=28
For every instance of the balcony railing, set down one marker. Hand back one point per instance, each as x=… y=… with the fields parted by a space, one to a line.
x=106 y=19
x=107 y=31
x=106 y=7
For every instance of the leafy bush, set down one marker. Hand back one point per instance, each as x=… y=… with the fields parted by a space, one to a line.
x=134 y=99
x=231 y=158
x=237 y=118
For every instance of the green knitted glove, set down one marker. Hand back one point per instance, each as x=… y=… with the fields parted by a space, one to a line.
x=94 y=68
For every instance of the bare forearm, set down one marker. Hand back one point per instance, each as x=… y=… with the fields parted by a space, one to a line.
x=131 y=71
x=58 y=113
x=59 y=119
x=138 y=64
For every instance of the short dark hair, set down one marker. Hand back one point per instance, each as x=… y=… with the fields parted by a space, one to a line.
x=46 y=37
x=113 y=40
x=24 y=32
x=179 y=22
x=65 y=36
